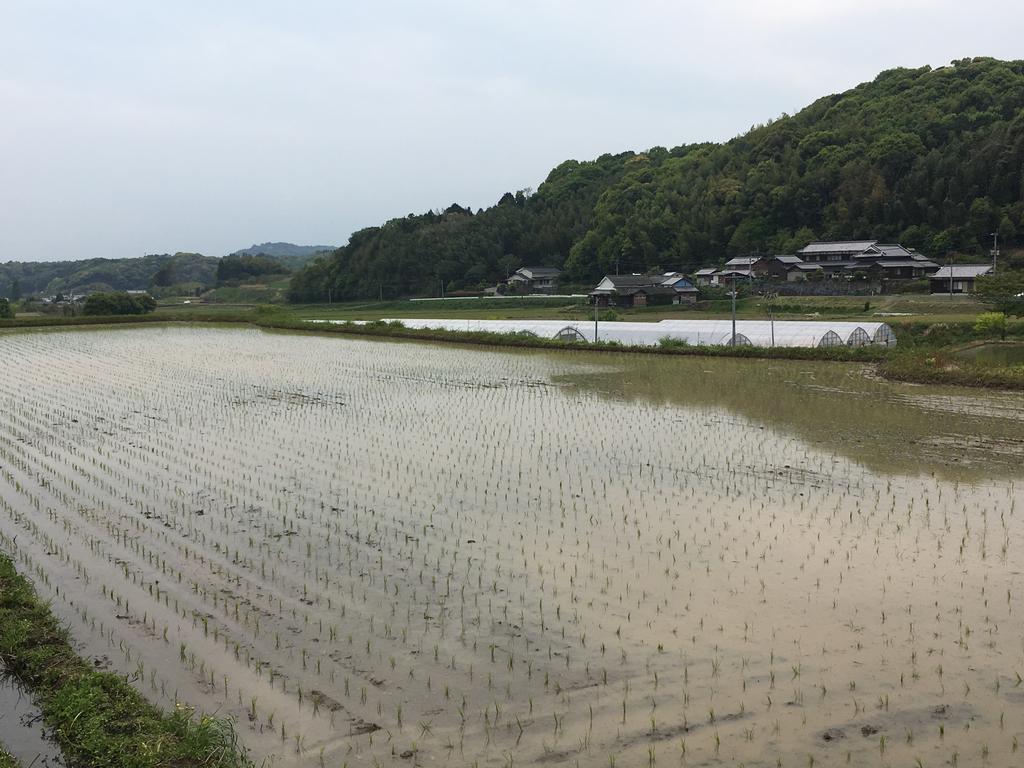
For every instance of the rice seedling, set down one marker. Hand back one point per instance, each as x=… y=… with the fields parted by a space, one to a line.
x=346 y=538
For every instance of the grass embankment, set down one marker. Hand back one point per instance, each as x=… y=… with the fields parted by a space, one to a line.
x=530 y=341
x=98 y=719
x=910 y=307
x=928 y=353
x=944 y=367
x=285 y=321
x=925 y=353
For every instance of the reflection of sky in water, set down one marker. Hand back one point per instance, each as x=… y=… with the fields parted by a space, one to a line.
x=21 y=728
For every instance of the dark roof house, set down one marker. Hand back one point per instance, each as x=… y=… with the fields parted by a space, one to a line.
x=543 y=279
x=843 y=250
x=640 y=290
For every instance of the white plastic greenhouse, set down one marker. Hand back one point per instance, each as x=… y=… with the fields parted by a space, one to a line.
x=760 y=333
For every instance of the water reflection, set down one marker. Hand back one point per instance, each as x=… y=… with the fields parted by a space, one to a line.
x=995 y=354
x=891 y=428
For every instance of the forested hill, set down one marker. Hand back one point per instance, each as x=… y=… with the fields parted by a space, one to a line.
x=28 y=278
x=930 y=158
x=187 y=271
x=289 y=254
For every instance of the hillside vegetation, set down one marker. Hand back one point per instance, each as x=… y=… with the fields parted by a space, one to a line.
x=289 y=254
x=185 y=272
x=929 y=158
x=26 y=278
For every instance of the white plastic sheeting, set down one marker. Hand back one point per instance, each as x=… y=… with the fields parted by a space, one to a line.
x=784 y=333
x=760 y=333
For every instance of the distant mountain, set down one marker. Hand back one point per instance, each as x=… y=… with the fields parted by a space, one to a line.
x=928 y=158
x=283 y=250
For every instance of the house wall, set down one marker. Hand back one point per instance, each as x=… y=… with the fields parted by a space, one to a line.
x=960 y=284
x=772 y=271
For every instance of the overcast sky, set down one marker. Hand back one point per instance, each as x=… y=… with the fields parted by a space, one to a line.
x=134 y=126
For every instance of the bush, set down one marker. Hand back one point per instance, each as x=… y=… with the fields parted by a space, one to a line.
x=991 y=324
x=6 y=313
x=668 y=342
x=909 y=286
x=119 y=303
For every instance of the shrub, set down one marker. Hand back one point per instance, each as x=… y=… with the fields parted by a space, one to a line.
x=991 y=324
x=668 y=342
x=6 y=313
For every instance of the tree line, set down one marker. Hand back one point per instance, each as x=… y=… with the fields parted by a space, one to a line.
x=118 y=303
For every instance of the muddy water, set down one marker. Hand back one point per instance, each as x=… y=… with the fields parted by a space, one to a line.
x=380 y=553
x=995 y=354
x=21 y=728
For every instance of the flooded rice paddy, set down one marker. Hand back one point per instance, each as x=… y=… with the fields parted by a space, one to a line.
x=390 y=553
x=995 y=354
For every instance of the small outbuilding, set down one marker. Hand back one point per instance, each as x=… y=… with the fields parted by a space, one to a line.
x=706 y=276
x=776 y=267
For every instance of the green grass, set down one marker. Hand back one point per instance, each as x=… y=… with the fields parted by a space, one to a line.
x=942 y=366
x=907 y=308
x=249 y=292
x=904 y=308
x=98 y=719
x=6 y=761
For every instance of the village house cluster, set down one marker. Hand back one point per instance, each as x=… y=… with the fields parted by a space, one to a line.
x=883 y=266
x=865 y=259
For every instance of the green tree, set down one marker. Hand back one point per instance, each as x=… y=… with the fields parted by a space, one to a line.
x=1003 y=290
x=983 y=218
x=164 y=276
x=991 y=324
x=6 y=313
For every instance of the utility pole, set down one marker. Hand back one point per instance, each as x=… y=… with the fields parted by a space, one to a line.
x=995 y=250
x=732 y=341
x=595 y=319
x=951 y=280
